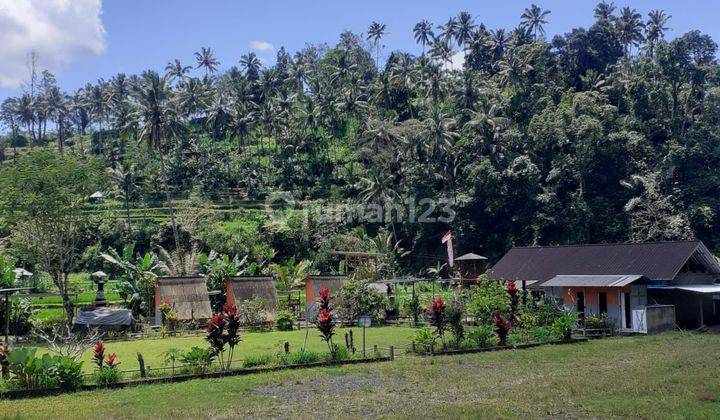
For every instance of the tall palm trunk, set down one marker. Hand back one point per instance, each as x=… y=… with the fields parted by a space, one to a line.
x=173 y=222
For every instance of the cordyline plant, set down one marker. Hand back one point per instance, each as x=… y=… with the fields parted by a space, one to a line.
x=325 y=321
x=437 y=316
x=514 y=299
x=501 y=326
x=223 y=331
x=99 y=357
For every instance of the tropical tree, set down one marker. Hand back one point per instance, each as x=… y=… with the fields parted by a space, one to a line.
x=161 y=126
x=533 y=19
x=655 y=29
x=206 y=59
x=375 y=32
x=423 y=33
x=629 y=29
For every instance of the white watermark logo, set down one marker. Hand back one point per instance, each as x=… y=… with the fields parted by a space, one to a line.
x=281 y=206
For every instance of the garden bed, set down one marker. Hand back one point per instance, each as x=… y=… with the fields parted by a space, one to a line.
x=33 y=393
x=496 y=348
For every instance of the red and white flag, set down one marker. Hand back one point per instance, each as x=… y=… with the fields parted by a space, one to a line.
x=447 y=238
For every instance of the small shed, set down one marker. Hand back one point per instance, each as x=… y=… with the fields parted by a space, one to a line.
x=96 y=198
x=188 y=296
x=240 y=289
x=470 y=266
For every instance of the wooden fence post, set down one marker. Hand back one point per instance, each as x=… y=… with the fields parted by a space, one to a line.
x=141 y=362
x=391 y=352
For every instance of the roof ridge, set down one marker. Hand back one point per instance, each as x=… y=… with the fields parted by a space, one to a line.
x=608 y=244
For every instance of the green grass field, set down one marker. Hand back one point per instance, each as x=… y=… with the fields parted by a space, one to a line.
x=251 y=344
x=666 y=376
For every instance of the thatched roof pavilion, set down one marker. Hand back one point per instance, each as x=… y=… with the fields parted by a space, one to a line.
x=240 y=289
x=188 y=295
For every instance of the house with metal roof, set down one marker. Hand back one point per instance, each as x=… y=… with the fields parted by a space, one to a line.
x=634 y=283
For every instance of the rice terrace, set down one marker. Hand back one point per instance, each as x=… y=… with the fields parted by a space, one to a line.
x=359 y=209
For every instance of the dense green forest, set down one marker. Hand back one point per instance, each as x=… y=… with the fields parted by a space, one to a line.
x=603 y=134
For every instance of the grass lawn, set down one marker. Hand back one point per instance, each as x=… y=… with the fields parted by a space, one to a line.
x=251 y=344
x=667 y=376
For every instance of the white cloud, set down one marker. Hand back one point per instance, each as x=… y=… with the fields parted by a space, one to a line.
x=261 y=45
x=457 y=61
x=59 y=31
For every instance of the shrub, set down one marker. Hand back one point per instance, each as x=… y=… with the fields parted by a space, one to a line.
x=340 y=353
x=486 y=298
x=358 y=298
x=68 y=373
x=258 y=360
x=540 y=334
x=481 y=336
x=425 y=338
x=285 y=321
x=598 y=322
x=252 y=313
x=168 y=315
x=325 y=321
x=547 y=312
x=299 y=357
x=107 y=376
x=31 y=372
x=223 y=330
x=198 y=359
x=20 y=314
x=513 y=300
x=502 y=327
x=437 y=316
x=456 y=318
x=562 y=327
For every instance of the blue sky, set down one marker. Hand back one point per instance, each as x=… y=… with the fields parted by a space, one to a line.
x=141 y=35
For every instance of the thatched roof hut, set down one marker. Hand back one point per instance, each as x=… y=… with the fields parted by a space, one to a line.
x=188 y=295
x=240 y=289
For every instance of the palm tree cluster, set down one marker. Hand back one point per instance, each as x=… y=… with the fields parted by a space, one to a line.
x=531 y=137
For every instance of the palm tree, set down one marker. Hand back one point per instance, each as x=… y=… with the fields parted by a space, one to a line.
x=375 y=33
x=177 y=71
x=241 y=123
x=441 y=51
x=125 y=180
x=206 y=59
x=604 y=12
x=465 y=28
x=448 y=30
x=629 y=28
x=251 y=63
x=192 y=98
x=438 y=132
x=423 y=34
x=160 y=126
x=499 y=42
x=655 y=29
x=58 y=107
x=533 y=19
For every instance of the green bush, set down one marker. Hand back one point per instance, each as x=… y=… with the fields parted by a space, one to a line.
x=598 y=322
x=68 y=372
x=31 y=372
x=107 y=376
x=197 y=359
x=481 y=336
x=358 y=298
x=486 y=298
x=540 y=334
x=562 y=327
x=285 y=321
x=455 y=313
x=425 y=339
x=258 y=360
x=299 y=357
x=341 y=353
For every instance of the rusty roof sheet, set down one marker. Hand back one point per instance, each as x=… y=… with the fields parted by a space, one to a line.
x=655 y=260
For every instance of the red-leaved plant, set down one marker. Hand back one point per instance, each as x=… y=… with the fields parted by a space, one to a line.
x=502 y=327
x=437 y=316
x=325 y=321
x=99 y=354
x=513 y=298
x=223 y=330
x=112 y=361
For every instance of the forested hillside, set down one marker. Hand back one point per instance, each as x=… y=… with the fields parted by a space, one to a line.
x=603 y=134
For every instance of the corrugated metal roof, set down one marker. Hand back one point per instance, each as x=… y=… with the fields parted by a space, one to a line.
x=656 y=260
x=701 y=288
x=592 y=281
